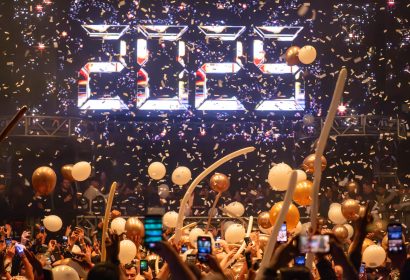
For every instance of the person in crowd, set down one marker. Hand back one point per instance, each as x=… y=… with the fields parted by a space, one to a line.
x=385 y=198
x=368 y=191
x=324 y=201
x=65 y=201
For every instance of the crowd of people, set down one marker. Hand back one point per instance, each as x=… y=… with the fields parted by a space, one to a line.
x=29 y=251
x=36 y=253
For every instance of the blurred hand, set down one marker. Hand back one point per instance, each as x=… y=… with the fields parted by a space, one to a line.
x=25 y=237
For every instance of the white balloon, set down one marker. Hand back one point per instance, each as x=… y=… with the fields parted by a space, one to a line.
x=298 y=228
x=157 y=170
x=235 y=233
x=163 y=191
x=81 y=171
x=374 y=256
x=64 y=272
x=53 y=223
x=350 y=230
x=301 y=176
x=128 y=250
x=118 y=224
x=335 y=214
x=236 y=208
x=307 y=54
x=193 y=235
x=305 y=228
x=76 y=249
x=279 y=176
x=334 y=204
x=181 y=175
x=170 y=219
x=226 y=225
x=265 y=230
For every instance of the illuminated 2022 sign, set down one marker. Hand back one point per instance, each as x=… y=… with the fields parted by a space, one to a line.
x=145 y=97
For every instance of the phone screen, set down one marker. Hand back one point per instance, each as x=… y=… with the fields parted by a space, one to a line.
x=299 y=261
x=204 y=245
x=184 y=248
x=315 y=244
x=8 y=242
x=153 y=230
x=42 y=229
x=143 y=265
x=362 y=271
x=191 y=258
x=320 y=244
x=282 y=235
x=394 y=235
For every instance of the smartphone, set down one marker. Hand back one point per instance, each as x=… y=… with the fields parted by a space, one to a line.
x=143 y=265
x=8 y=242
x=218 y=244
x=362 y=272
x=299 y=260
x=248 y=258
x=184 y=248
x=247 y=239
x=19 y=249
x=314 y=244
x=204 y=245
x=153 y=230
x=42 y=229
x=394 y=237
x=191 y=258
x=283 y=234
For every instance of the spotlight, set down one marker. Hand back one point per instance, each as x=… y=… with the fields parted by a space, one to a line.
x=341 y=109
x=39 y=8
x=390 y=2
x=41 y=46
x=202 y=131
x=63 y=34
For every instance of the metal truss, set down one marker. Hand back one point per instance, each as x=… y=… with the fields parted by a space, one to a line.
x=343 y=126
x=367 y=125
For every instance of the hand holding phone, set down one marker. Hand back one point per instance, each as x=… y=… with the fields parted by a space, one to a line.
x=143 y=266
x=20 y=249
x=153 y=230
x=283 y=234
x=315 y=244
x=394 y=238
x=299 y=260
x=204 y=245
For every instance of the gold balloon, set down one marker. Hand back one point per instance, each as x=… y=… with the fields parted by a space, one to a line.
x=44 y=180
x=351 y=209
x=291 y=56
x=263 y=241
x=362 y=211
x=385 y=243
x=66 y=172
x=302 y=193
x=341 y=232
x=378 y=227
x=264 y=220
x=219 y=182
x=309 y=162
x=115 y=214
x=352 y=187
x=366 y=243
x=292 y=217
x=134 y=227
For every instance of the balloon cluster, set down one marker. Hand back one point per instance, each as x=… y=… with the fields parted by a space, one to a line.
x=295 y=55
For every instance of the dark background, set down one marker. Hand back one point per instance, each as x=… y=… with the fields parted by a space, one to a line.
x=122 y=145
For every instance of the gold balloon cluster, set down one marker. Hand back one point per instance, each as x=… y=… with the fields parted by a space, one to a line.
x=66 y=172
x=134 y=228
x=44 y=180
x=351 y=209
x=264 y=220
x=352 y=186
x=341 y=232
x=292 y=217
x=219 y=182
x=292 y=56
x=302 y=193
x=309 y=163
